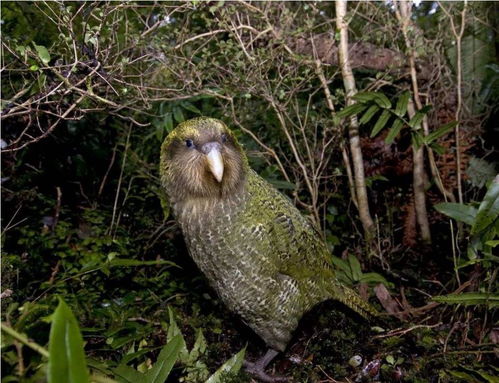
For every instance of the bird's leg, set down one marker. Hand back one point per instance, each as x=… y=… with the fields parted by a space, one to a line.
x=257 y=368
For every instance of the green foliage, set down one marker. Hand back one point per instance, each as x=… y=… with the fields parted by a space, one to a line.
x=66 y=357
x=350 y=272
x=490 y=300
x=480 y=172
x=67 y=361
x=378 y=103
x=484 y=222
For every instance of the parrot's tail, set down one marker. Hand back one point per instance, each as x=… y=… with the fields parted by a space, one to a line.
x=351 y=299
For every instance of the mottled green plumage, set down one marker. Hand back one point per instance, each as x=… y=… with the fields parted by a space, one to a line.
x=262 y=256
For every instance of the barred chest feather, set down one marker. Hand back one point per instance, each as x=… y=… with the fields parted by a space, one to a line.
x=228 y=251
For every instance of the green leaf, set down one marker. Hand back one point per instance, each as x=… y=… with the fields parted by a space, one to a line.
x=417 y=139
x=444 y=129
x=188 y=106
x=66 y=356
x=374 y=278
x=178 y=115
x=493 y=243
x=480 y=171
x=233 y=365
x=166 y=359
x=173 y=331
x=491 y=300
x=488 y=211
x=416 y=120
x=439 y=149
x=378 y=97
x=43 y=53
x=34 y=68
x=127 y=374
x=401 y=107
x=168 y=121
x=351 y=110
x=390 y=359
x=380 y=124
x=460 y=212
x=342 y=265
x=355 y=267
x=394 y=131
x=382 y=101
x=199 y=347
x=283 y=185
x=369 y=114
x=461 y=375
x=364 y=97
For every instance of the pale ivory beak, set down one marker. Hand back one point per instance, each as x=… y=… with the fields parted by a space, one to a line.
x=215 y=163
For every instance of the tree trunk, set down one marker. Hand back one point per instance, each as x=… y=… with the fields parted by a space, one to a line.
x=353 y=130
x=418 y=184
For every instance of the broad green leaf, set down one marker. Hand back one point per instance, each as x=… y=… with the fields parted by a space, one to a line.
x=166 y=359
x=380 y=124
x=173 y=331
x=355 y=267
x=401 y=107
x=366 y=117
x=188 y=106
x=394 y=131
x=178 y=114
x=66 y=356
x=43 y=53
x=460 y=212
x=417 y=139
x=444 y=129
x=488 y=211
x=382 y=101
x=491 y=300
x=416 y=120
x=351 y=110
x=233 y=365
x=127 y=374
x=283 y=185
x=461 y=375
x=493 y=243
x=374 y=278
x=168 y=121
x=439 y=149
x=364 y=97
x=342 y=265
x=199 y=347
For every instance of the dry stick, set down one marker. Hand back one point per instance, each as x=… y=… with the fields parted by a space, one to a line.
x=111 y=163
x=23 y=339
x=120 y=179
x=353 y=131
x=459 y=37
x=49 y=130
x=298 y=159
x=330 y=105
x=259 y=142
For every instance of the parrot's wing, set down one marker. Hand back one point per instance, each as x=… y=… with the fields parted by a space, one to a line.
x=297 y=248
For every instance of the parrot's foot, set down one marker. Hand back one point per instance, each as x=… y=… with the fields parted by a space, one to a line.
x=257 y=369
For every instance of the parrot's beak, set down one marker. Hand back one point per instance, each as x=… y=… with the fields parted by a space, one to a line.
x=215 y=160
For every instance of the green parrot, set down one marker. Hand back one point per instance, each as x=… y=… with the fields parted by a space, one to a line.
x=265 y=260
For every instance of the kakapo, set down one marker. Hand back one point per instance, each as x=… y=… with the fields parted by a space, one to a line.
x=266 y=261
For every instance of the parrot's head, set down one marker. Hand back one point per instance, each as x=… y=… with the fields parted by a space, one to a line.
x=202 y=158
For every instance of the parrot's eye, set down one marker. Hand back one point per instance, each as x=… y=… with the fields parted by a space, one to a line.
x=189 y=143
x=224 y=138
